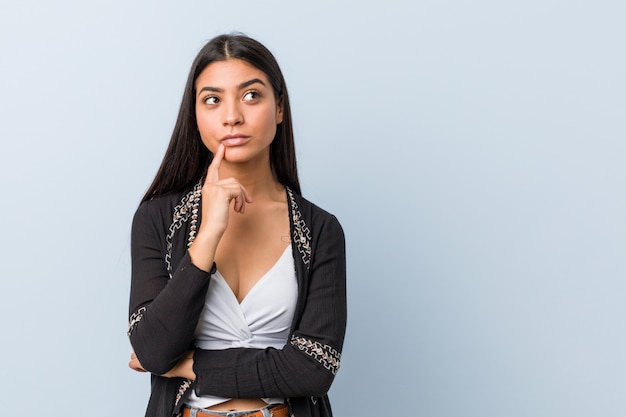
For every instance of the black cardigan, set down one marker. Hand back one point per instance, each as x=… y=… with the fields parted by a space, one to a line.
x=168 y=293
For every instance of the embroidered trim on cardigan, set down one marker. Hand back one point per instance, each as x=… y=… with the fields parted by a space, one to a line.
x=188 y=207
x=134 y=319
x=324 y=354
x=181 y=390
x=301 y=232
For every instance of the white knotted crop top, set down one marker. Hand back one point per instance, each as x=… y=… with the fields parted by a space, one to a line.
x=262 y=319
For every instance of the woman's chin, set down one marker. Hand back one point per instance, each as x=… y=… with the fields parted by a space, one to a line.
x=234 y=154
x=243 y=154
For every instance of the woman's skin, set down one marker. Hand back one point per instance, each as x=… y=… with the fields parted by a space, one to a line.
x=237 y=116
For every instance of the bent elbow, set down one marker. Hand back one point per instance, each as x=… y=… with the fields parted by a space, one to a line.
x=318 y=383
x=157 y=360
x=324 y=384
x=155 y=365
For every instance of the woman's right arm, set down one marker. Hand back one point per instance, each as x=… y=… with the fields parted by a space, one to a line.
x=163 y=311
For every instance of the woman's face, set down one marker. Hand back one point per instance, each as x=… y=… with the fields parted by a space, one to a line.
x=235 y=105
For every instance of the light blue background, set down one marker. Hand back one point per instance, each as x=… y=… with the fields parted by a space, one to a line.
x=474 y=152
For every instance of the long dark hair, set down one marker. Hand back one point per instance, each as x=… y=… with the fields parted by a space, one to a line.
x=187 y=159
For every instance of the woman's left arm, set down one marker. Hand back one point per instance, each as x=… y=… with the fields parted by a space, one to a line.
x=307 y=365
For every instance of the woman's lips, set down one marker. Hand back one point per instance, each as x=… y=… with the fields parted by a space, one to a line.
x=234 y=140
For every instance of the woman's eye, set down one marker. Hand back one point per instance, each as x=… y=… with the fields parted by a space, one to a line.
x=211 y=100
x=251 y=96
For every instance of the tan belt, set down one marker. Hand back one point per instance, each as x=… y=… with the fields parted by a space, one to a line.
x=278 y=411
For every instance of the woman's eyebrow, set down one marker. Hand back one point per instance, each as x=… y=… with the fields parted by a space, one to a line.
x=211 y=89
x=240 y=87
x=252 y=81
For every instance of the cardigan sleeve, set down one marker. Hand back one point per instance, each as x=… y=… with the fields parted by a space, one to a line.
x=164 y=311
x=307 y=364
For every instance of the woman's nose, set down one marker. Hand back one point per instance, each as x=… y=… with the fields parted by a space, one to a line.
x=232 y=115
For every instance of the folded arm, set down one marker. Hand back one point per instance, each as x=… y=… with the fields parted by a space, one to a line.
x=307 y=365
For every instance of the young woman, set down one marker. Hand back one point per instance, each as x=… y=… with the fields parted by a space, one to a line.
x=238 y=303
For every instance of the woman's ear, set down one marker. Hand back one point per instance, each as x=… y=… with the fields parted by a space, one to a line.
x=279 y=111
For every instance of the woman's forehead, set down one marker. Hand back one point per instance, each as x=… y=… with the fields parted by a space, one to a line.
x=230 y=73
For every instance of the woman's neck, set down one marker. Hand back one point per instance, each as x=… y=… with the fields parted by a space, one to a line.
x=257 y=178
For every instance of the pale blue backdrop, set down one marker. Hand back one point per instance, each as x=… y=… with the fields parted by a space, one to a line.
x=474 y=152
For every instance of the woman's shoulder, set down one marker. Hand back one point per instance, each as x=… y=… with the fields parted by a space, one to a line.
x=315 y=214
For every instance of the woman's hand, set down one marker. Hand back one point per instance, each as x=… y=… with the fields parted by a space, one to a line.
x=183 y=369
x=217 y=196
x=135 y=364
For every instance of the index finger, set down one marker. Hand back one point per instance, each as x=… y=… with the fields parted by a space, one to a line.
x=212 y=174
